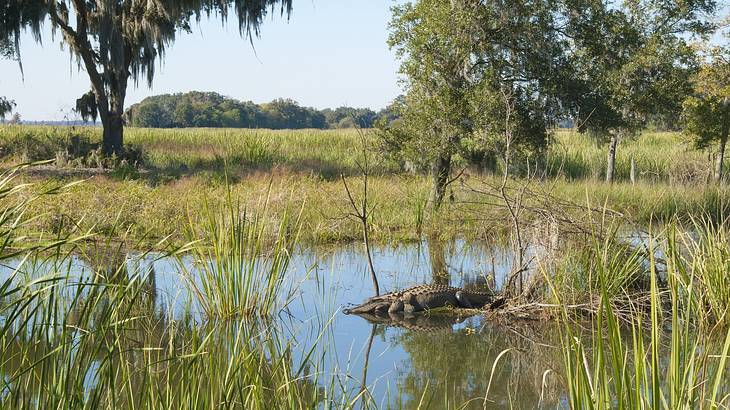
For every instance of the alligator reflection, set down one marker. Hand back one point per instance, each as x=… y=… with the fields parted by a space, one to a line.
x=417 y=322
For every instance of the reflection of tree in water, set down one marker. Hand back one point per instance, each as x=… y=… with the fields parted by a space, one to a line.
x=439 y=252
x=456 y=366
x=437 y=257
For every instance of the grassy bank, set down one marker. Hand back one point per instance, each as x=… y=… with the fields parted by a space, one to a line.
x=107 y=204
x=182 y=169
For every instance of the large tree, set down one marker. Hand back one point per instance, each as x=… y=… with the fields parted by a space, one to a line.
x=115 y=40
x=707 y=111
x=473 y=69
x=631 y=61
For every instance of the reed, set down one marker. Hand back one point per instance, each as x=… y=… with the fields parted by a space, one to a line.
x=237 y=269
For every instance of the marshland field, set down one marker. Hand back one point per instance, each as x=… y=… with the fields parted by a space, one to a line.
x=381 y=204
x=209 y=269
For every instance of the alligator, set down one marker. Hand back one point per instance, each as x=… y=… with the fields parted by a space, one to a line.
x=422 y=297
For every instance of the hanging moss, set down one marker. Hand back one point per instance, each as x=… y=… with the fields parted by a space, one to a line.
x=86 y=106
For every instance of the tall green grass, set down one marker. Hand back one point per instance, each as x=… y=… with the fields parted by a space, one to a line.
x=195 y=164
x=107 y=346
x=239 y=265
x=662 y=352
x=658 y=156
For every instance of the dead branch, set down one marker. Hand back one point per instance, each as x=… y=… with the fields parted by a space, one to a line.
x=362 y=211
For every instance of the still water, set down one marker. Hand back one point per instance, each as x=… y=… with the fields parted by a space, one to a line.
x=429 y=362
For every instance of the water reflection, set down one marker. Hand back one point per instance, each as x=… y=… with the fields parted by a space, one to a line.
x=402 y=361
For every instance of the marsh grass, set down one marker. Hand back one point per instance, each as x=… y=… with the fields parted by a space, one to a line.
x=659 y=156
x=704 y=266
x=240 y=266
x=182 y=168
x=606 y=263
x=108 y=346
x=100 y=338
x=666 y=354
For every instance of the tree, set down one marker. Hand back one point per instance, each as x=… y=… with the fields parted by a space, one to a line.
x=706 y=113
x=114 y=41
x=632 y=62
x=460 y=59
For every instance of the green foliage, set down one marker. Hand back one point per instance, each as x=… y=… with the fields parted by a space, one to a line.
x=348 y=117
x=198 y=109
x=631 y=62
x=707 y=112
x=281 y=114
x=475 y=71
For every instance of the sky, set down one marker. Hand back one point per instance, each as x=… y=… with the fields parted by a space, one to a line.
x=330 y=53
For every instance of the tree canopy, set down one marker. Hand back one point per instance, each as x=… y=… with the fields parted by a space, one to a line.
x=487 y=77
x=473 y=69
x=116 y=40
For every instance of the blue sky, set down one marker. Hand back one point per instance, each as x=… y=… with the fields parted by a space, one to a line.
x=330 y=53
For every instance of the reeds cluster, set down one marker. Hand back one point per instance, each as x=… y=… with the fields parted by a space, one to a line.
x=667 y=350
x=239 y=266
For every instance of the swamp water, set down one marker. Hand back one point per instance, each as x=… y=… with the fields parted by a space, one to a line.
x=432 y=363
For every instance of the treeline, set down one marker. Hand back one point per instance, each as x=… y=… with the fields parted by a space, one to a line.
x=209 y=109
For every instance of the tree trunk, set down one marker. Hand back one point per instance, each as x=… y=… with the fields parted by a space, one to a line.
x=633 y=170
x=720 y=159
x=611 y=162
x=441 y=172
x=719 y=162
x=113 y=141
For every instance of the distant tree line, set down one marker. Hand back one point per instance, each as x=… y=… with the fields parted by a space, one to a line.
x=209 y=109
